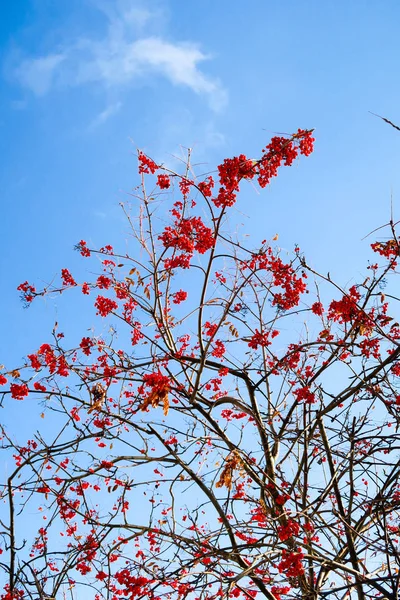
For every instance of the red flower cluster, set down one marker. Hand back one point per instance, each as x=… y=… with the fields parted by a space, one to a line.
x=262 y=339
x=86 y=345
x=210 y=329
x=55 y=364
x=16 y=594
x=181 y=261
x=188 y=235
x=179 y=297
x=317 y=308
x=304 y=394
x=103 y=282
x=290 y=529
x=306 y=143
x=82 y=248
x=218 y=349
x=128 y=309
x=395 y=370
x=259 y=515
x=370 y=347
x=49 y=357
x=163 y=182
x=283 y=151
x=184 y=186
x=291 y=563
x=105 y=306
x=137 y=334
x=88 y=553
x=108 y=249
x=132 y=586
x=160 y=387
x=206 y=187
x=387 y=249
x=231 y=172
x=157 y=381
x=283 y=275
x=121 y=290
x=35 y=362
x=67 y=278
x=346 y=309
x=28 y=291
x=279 y=590
x=39 y=387
x=19 y=392
x=146 y=165
x=279 y=151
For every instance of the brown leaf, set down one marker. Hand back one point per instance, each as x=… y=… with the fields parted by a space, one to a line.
x=232 y=463
x=233 y=330
x=98 y=398
x=165 y=405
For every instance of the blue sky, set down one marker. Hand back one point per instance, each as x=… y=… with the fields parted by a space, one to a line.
x=86 y=82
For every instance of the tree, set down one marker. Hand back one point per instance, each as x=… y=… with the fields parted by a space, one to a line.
x=233 y=435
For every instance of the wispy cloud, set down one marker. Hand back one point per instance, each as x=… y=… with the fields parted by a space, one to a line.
x=133 y=14
x=38 y=74
x=104 y=115
x=120 y=59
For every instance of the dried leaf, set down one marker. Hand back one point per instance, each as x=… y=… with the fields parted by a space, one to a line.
x=233 y=330
x=232 y=463
x=165 y=405
x=98 y=398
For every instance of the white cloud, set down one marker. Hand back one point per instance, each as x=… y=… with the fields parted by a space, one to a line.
x=132 y=14
x=120 y=59
x=104 y=115
x=38 y=74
